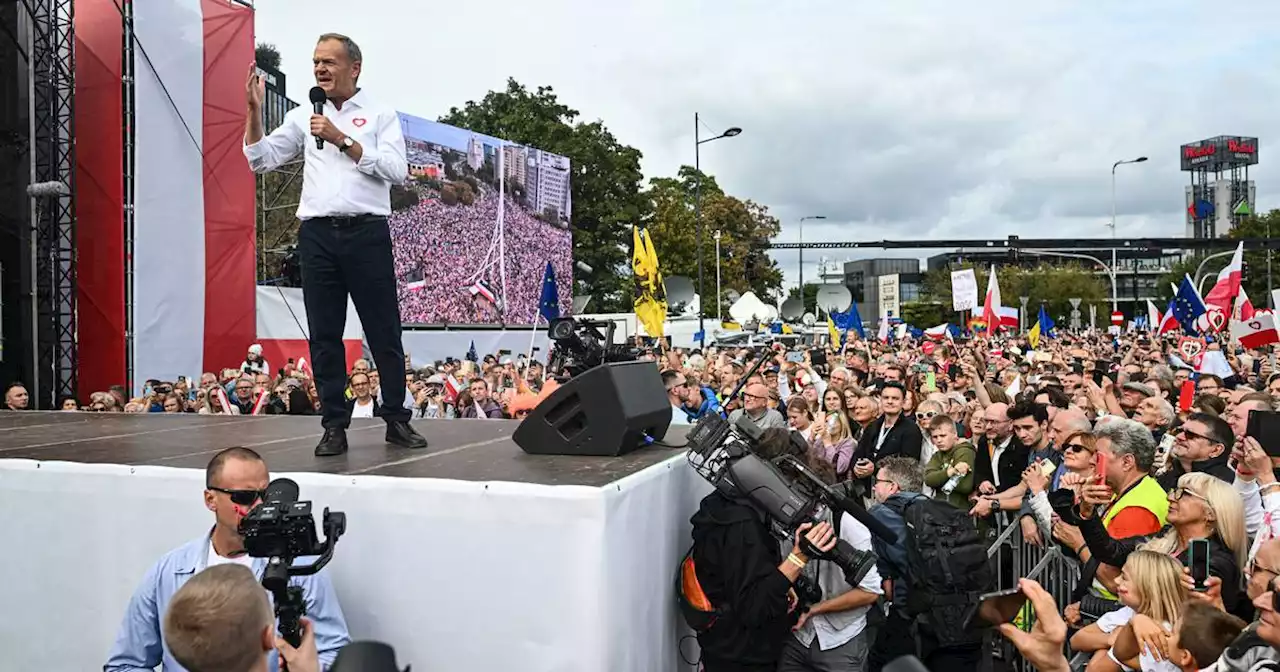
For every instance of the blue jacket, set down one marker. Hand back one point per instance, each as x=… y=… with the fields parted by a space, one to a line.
x=139 y=647
x=891 y=559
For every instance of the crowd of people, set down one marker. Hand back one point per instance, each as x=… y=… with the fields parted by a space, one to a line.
x=1110 y=448
x=446 y=245
x=1136 y=466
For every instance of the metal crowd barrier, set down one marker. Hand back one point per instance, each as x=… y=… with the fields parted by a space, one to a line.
x=1015 y=559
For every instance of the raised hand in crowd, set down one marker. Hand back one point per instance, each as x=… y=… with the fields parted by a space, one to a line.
x=1043 y=645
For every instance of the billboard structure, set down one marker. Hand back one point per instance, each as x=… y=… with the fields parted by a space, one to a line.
x=475 y=225
x=1220 y=194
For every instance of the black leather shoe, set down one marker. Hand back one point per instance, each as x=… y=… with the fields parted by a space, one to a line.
x=333 y=443
x=399 y=433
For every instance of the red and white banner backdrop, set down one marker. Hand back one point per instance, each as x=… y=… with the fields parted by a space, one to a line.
x=193 y=244
x=99 y=195
x=283 y=332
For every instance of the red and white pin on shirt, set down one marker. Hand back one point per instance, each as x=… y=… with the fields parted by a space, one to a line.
x=359 y=121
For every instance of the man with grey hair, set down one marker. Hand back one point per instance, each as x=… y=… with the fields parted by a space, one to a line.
x=354 y=152
x=1157 y=415
x=1140 y=504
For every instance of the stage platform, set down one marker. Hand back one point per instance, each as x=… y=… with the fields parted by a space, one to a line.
x=470 y=554
x=467 y=450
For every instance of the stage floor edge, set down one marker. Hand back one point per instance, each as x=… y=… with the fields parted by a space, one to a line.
x=467 y=450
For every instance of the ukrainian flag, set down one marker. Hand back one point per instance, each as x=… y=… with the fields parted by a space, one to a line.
x=1044 y=324
x=833 y=333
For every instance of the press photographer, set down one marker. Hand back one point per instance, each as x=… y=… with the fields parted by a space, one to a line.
x=734 y=582
x=742 y=571
x=236 y=481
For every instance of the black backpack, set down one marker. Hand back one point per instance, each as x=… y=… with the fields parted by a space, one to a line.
x=948 y=569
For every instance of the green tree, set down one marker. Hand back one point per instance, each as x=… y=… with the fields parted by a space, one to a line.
x=1051 y=285
x=745 y=227
x=267 y=56
x=926 y=314
x=810 y=295
x=605 y=180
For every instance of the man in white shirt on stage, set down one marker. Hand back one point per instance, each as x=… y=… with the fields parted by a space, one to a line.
x=344 y=242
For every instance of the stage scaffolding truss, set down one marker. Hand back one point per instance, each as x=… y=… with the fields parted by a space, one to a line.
x=52 y=70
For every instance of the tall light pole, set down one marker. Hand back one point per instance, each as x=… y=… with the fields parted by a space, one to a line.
x=697 y=208
x=1115 y=299
x=719 y=317
x=802 y=306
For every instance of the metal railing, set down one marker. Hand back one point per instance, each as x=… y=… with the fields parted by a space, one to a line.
x=1016 y=559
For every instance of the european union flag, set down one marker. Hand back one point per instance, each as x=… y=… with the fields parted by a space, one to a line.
x=850 y=319
x=1046 y=323
x=1187 y=306
x=549 y=303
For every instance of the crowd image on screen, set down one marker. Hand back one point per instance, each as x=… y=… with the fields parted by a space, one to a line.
x=451 y=238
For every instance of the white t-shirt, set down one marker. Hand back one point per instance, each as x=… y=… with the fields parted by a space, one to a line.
x=362 y=410
x=215 y=559
x=1121 y=617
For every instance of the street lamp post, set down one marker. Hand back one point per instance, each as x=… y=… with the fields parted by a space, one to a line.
x=1111 y=271
x=1115 y=299
x=719 y=318
x=697 y=209
x=802 y=306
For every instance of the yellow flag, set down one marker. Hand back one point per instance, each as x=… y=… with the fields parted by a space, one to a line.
x=1034 y=335
x=834 y=333
x=650 y=294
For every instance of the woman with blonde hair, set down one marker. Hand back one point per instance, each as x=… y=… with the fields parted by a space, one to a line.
x=1200 y=507
x=1152 y=591
x=831 y=438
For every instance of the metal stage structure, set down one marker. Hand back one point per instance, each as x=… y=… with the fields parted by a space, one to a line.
x=1220 y=195
x=43 y=331
x=1015 y=243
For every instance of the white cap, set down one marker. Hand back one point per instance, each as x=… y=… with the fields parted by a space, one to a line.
x=255 y=349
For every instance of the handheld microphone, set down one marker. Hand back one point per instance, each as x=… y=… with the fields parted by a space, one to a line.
x=318 y=97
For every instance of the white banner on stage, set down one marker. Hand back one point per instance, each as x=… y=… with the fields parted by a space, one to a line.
x=964 y=290
x=454 y=574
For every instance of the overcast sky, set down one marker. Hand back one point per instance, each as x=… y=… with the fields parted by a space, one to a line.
x=896 y=120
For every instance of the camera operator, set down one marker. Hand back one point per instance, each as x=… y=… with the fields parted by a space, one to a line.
x=740 y=567
x=235 y=481
x=221 y=620
x=832 y=636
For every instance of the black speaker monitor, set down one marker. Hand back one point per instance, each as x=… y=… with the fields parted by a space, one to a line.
x=605 y=411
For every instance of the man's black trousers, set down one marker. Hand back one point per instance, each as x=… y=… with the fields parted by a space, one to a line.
x=344 y=256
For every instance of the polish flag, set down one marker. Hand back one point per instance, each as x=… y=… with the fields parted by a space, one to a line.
x=188 y=263
x=991 y=304
x=451 y=389
x=1008 y=317
x=936 y=333
x=1223 y=294
x=1244 y=307
x=1256 y=332
x=1153 y=316
x=260 y=405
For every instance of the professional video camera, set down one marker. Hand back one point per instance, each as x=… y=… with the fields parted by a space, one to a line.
x=579 y=345
x=281 y=529
x=784 y=490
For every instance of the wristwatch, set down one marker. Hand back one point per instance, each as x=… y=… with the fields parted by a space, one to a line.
x=347 y=143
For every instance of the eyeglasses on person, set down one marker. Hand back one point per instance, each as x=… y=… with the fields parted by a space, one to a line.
x=241 y=497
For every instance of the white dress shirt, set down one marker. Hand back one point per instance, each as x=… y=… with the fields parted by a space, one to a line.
x=838 y=628
x=332 y=183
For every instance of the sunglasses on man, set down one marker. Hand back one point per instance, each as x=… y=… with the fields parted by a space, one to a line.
x=241 y=497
